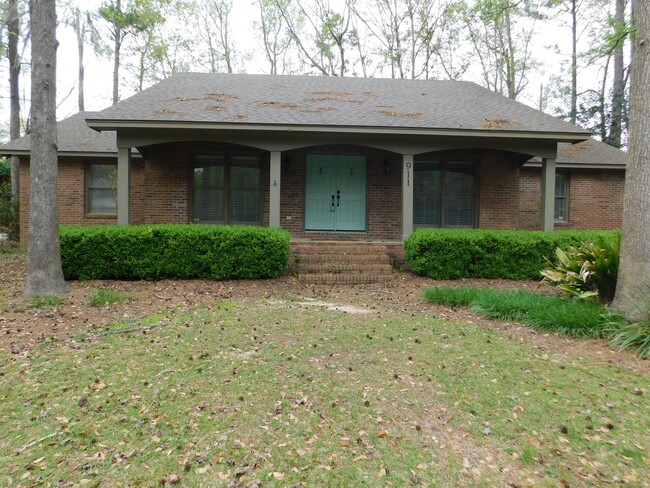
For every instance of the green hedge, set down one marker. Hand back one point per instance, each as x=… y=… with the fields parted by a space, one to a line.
x=516 y=255
x=156 y=252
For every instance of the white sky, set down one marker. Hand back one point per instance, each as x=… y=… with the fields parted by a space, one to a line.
x=98 y=86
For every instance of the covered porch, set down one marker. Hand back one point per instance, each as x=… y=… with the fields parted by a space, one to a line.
x=388 y=170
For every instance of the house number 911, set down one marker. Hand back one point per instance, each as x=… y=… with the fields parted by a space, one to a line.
x=408 y=174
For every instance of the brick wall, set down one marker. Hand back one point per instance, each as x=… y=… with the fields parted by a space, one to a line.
x=595 y=199
x=508 y=197
x=72 y=196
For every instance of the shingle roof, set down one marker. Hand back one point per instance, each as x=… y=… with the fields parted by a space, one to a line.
x=590 y=153
x=269 y=100
x=73 y=136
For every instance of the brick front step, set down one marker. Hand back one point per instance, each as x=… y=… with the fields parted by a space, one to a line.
x=350 y=268
x=333 y=262
x=340 y=279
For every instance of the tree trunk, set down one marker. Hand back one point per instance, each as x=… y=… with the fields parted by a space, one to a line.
x=44 y=273
x=79 y=27
x=13 y=33
x=633 y=287
x=618 y=90
x=116 y=59
x=574 y=61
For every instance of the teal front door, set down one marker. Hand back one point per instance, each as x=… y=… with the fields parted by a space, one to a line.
x=335 y=193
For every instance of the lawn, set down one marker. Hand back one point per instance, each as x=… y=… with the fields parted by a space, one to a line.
x=275 y=392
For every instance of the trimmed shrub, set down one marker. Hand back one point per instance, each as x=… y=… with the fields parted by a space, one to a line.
x=447 y=254
x=155 y=252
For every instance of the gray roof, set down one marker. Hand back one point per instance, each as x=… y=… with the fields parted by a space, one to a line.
x=199 y=99
x=590 y=153
x=73 y=137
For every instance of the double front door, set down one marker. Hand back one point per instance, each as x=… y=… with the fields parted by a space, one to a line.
x=335 y=193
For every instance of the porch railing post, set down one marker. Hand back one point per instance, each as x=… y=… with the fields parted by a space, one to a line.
x=548 y=194
x=274 y=190
x=123 y=185
x=407 y=195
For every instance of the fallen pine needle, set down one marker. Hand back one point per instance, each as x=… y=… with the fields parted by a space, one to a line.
x=38 y=441
x=130 y=330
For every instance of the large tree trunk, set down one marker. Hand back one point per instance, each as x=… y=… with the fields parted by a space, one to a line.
x=44 y=274
x=633 y=287
x=13 y=28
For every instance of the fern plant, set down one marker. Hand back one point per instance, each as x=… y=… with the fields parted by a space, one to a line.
x=587 y=271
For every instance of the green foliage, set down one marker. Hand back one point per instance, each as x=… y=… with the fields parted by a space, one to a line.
x=47 y=301
x=634 y=336
x=588 y=270
x=445 y=254
x=138 y=16
x=555 y=314
x=106 y=296
x=156 y=252
x=5 y=170
x=9 y=222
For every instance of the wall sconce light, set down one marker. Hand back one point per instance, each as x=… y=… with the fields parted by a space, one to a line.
x=386 y=167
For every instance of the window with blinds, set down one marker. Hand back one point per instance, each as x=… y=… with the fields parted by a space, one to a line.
x=444 y=194
x=101 y=194
x=561 y=212
x=227 y=190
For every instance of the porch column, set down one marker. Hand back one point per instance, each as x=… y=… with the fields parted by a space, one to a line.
x=407 y=195
x=123 y=185
x=548 y=193
x=274 y=190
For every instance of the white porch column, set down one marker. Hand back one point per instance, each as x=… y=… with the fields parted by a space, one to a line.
x=407 y=195
x=123 y=185
x=274 y=190
x=548 y=193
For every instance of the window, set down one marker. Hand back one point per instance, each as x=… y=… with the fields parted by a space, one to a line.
x=443 y=194
x=101 y=194
x=561 y=211
x=227 y=190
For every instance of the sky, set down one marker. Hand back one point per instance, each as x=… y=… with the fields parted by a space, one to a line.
x=98 y=86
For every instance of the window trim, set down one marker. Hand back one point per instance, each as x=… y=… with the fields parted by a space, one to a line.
x=227 y=161
x=443 y=165
x=88 y=211
x=565 y=206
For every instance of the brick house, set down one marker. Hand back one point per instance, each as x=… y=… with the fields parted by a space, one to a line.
x=329 y=158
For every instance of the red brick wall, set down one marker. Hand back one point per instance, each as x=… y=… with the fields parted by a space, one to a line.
x=595 y=199
x=72 y=197
x=498 y=178
x=508 y=197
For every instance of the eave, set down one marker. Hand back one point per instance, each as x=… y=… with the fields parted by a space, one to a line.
x=114 y=125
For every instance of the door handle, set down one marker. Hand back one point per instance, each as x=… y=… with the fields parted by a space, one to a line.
x=338 y=198
x=332 y=208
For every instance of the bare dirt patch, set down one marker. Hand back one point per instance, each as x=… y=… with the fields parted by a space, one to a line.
x=23 y=325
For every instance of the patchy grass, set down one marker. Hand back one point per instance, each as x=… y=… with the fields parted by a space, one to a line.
x=565 y=316
x=244 y=391
x=106 y=296
x=47 y=301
